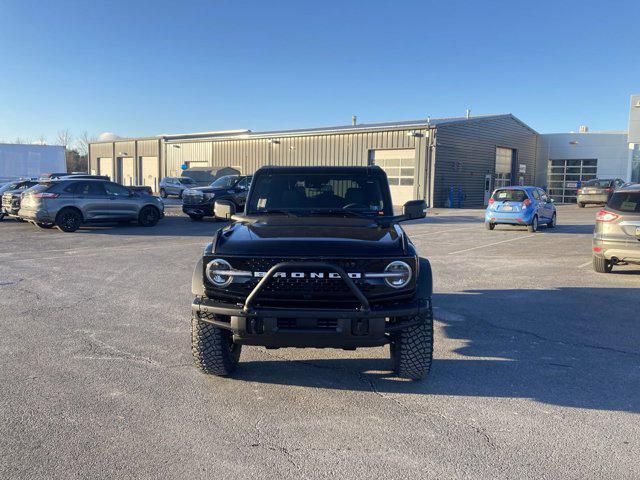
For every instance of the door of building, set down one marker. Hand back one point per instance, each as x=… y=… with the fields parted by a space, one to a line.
x=126 y=171
x=564 y=176
x=488 y=188
x=149 y=172
x=105 y=167
x=399 y=165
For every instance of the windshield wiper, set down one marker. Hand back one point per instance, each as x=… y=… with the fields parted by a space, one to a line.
x=277 y=212
x=341 y=211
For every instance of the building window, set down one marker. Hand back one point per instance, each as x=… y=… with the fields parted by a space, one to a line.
x=504 y=163
x=635 y=163
x=399 y=165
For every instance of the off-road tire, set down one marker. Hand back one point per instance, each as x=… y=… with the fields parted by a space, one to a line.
x=489 y=225
x=213 y=349
x=534 y=225
x=1 y=216
x=45 y=226
x=149 y=216
x=552 y=222
x=581 y=205
x=68 y=220
x=602 y=265
x=163 y=193
x=412 y=350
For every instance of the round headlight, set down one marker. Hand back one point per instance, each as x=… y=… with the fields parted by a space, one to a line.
x=214 y=267
x=209 y=196
x=401 y=274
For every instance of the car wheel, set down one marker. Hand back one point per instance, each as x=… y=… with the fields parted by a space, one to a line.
x=602 y=265
x=489 y=225
x=411 y=349
x=163 y=193
x=44 y=225
x=581 y=205
x=180 y=194
x=68 y=220
x=196 y=218
x=1 y=216
x=213 y=349
x=534 y=224
x=552 y=223
x=148 y=217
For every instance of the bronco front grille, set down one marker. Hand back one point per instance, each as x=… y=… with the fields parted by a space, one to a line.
x=307 y=291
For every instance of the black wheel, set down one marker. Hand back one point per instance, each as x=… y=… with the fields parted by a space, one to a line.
x=180 y=195
x=149 y=216
x=213 y=349
x=602 y=265
x=68 y=220
x=196 y=218
x=45 y=225
x=412 y=349
x=552 y=222
x=163 y=193
x=581 y=205
x=534 y=224
x=1 y=216
x=489 y=225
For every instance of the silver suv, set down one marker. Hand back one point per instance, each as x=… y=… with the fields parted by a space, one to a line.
x=616 y=237
x=68 y=204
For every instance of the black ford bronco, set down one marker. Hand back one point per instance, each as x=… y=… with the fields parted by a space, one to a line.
x=317 y=259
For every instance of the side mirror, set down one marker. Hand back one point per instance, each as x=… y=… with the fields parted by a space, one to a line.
x=224 y=209
x=414 y=209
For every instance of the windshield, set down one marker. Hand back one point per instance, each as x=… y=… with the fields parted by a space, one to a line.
x=320 y=193
x=598 y=183
x=186 y=181
x=225 y=182
x=510 y=196
x=625 y=202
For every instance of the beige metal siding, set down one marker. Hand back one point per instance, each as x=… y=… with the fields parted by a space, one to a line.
x=179 y=153
x=466 y=152
x=148 y=148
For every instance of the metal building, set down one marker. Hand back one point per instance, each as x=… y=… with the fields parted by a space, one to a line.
x=447 y=161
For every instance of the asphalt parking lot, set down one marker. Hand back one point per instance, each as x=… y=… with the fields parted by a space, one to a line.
x=536 y=371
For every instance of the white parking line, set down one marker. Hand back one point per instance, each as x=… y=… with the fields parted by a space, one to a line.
x=490 y=244
x=411 y=235
x=586 y=264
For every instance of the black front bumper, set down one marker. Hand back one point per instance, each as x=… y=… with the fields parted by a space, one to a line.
x=294 y=327
x=200 y=209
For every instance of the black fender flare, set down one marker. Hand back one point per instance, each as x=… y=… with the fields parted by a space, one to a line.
x=425 y=279
x=197 y=281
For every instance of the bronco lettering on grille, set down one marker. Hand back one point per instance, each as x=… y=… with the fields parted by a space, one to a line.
x=320 y=275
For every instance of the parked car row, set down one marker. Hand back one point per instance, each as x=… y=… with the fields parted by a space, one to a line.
x=616 y=236
x=68 y=201
x=199 y=202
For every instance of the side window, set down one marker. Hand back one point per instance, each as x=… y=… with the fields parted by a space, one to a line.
x=544 y=196
x=536 y=194
x=115 y=189
x=72 y=188
x=94 y=188
x=243 y=184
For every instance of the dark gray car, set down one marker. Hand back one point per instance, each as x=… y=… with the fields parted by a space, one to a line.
x=68 y=204
x=597 y=191
x=175 y=186
x=616 y=238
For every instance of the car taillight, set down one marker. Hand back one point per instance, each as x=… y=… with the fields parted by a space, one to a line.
x=608 y=189
x=46 y=195
x=604 y=216
x=491 y=200
x=526 y=202
x=579 y=191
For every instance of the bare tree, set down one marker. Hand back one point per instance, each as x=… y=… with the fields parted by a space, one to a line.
x=41 y=140
x=82 y=143
x=64 y=137
x=21 y=140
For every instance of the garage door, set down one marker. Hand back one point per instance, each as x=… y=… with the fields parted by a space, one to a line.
x=399 y=165
x=149 y=172
x=105 y=167
x=127 y=170
x=565 y=175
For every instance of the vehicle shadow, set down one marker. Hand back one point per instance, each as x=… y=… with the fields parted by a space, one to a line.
x=446 y=219
x=573 y=347
x=586 y=229
x=169 y=226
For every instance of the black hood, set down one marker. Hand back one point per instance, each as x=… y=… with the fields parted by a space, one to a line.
x=311 y=237
x=210 y=189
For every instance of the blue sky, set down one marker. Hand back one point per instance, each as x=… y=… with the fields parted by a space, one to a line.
x=144 y=68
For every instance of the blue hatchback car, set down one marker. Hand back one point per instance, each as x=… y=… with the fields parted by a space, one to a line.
x=527 y=206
